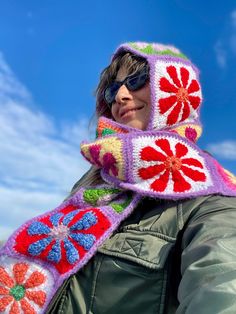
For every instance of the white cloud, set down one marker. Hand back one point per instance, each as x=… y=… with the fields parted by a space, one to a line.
x=225 y=149
x=226 y=44
x=10 y=87
x=39 y=159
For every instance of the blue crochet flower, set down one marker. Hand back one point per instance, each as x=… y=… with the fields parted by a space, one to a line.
x=60 y=234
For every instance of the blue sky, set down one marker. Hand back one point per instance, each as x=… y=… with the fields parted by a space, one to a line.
x=51 y=54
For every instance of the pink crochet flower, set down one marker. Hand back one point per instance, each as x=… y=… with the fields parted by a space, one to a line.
x=191 y=134
x=107 y=160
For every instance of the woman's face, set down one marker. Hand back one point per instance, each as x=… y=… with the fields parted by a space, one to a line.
x=131 y=108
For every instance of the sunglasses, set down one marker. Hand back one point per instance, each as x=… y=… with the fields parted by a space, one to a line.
x=132 y=82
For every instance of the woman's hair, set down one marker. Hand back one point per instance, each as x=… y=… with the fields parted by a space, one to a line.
x=132 y=64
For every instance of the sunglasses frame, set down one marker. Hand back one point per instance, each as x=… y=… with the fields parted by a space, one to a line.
x=126 y=83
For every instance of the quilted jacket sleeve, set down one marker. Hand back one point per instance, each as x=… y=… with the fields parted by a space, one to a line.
x=208 y=263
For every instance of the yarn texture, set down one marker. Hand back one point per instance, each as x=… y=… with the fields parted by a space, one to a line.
x=162 y=162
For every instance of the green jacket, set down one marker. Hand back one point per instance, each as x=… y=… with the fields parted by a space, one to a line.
x=167 y=257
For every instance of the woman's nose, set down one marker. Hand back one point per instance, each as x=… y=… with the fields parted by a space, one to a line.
x=123 y=94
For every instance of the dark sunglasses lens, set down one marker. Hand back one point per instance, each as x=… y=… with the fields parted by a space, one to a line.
x=136 y=82
x=110 y=93
x=132 y=82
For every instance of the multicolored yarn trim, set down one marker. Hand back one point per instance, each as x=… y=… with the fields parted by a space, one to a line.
x=105 y=127
x=192 y=132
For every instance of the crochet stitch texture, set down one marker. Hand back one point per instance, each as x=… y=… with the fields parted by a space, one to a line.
x=161 y=162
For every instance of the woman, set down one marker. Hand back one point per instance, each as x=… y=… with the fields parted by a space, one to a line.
x=150 y=228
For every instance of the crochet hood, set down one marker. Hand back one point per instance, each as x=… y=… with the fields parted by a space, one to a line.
x=176 y=94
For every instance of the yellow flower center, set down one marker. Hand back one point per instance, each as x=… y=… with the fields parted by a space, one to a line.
x=173 y=163
x=182 y=94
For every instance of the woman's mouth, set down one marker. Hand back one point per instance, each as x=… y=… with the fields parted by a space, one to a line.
x=128 y=112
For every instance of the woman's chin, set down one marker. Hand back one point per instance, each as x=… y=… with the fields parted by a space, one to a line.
x=135 y=119
x=135 y=123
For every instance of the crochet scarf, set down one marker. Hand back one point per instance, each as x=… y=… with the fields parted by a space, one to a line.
x=161 y=162
x=47 y=249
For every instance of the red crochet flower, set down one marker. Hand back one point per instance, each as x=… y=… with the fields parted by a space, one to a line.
x=17 y=290
x=62 y=238
x=170 y=167
x=180 y=100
